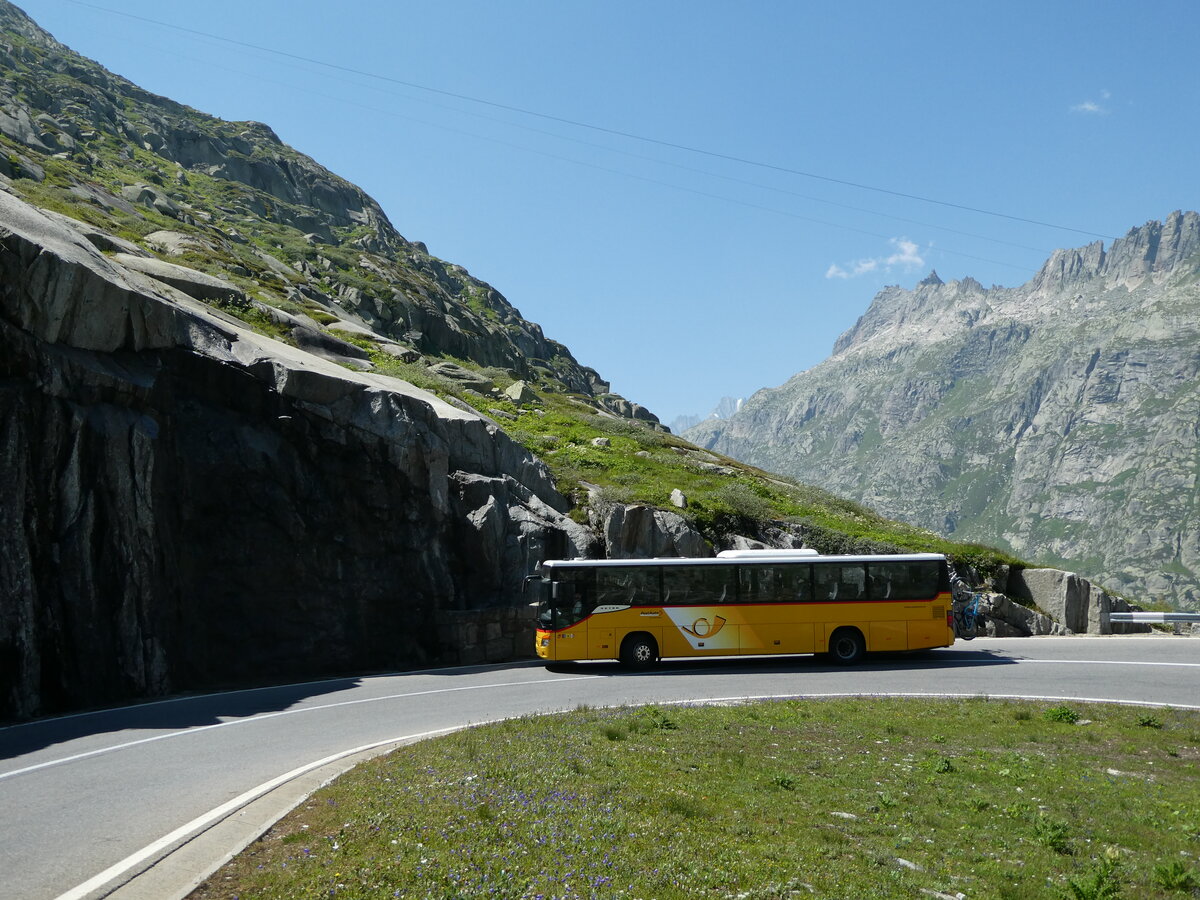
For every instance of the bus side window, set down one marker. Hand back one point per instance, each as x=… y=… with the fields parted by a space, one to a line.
x=627 y=586
x=803 y=583
x=698 y=585
x=840 y=581
x=787 y=583
x=904 y=580
x=879 y=582
x=793 y=583
x=748 y=578
x=826 y=581
x=856 y=581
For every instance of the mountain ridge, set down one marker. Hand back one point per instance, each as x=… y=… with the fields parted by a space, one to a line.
x=1038 y=418
x=146 y=164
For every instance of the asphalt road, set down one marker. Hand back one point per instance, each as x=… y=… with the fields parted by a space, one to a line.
x=90 y=800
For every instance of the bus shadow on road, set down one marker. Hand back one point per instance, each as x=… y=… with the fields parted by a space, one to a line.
x=907 y=661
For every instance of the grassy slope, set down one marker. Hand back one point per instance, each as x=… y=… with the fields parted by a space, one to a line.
x=643 y=465
x=868 y=798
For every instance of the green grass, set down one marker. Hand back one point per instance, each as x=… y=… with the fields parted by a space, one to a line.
x=872 y=798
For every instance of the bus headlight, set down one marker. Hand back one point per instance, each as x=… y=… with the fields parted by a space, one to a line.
x=545 y=642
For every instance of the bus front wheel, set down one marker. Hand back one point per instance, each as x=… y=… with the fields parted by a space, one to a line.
x=639 y=651
x=847 y=646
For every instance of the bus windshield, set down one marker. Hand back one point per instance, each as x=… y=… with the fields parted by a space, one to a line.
x=562 y=604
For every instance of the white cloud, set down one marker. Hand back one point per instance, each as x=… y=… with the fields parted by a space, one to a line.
x=1092 y=107
x=907 y=256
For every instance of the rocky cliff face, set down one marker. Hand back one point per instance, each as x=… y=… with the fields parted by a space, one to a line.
x=187 y=503
x=1057 y=419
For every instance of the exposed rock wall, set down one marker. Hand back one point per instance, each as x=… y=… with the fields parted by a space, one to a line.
x=186 y=504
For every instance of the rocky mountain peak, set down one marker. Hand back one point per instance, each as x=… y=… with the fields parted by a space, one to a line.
x=1155 y=251
x=1066 y=268
x=941 y=306
x=14 y=19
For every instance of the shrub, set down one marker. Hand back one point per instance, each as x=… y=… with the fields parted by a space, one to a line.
x=784 y=782
x=653 y=717
x=1101 y=884
x=1053 y=834
x=1175 y=876
x=1061 y=714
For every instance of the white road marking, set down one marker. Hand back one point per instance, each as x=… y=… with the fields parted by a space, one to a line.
x=1108 y=662
x=215 y=815
x=273 y=715
x=926 y=695
x=191 y=698
x=317 y=708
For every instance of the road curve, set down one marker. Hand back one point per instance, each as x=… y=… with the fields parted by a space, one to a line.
x=91 y=800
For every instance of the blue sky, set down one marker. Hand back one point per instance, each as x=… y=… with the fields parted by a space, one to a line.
x=686 y=276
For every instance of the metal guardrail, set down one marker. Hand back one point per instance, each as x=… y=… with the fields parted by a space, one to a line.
x=1154 y=618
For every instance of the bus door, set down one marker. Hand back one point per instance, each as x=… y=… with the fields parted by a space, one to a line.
x=569 y=608
x=601 y=639
x=909 y=591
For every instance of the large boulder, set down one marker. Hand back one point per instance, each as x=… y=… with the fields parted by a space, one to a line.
x=1073 y=601
x=145 y=195
x=1078 y=605
x=634 y=531
x=1002 y=617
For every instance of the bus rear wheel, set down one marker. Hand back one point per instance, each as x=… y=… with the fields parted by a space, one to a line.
x=639 y=651
x=847 y=647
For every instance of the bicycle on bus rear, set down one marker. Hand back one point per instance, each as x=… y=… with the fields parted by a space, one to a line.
x=967 y=617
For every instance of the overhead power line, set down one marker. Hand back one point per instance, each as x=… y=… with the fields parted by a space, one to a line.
x=759 y=185
x=655 y=181
x=712 y=154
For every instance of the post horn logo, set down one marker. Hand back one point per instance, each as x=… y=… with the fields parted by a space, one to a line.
x=701 y=628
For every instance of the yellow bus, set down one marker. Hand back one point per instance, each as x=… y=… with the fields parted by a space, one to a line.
x=742 y=602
